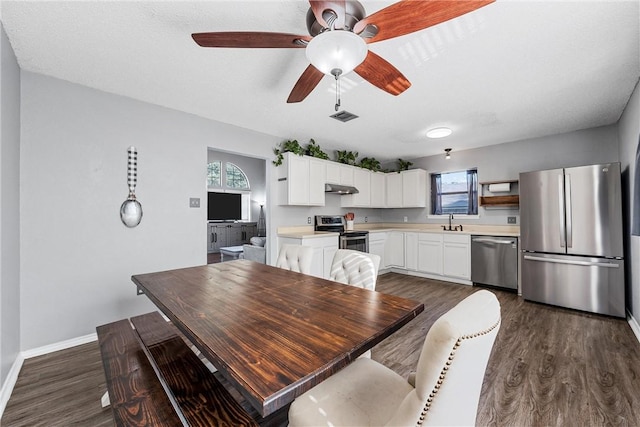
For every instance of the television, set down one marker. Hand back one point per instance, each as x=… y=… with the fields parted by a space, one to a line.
x=224 y=206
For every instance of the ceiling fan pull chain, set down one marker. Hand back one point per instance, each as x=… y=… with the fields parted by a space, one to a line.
x=337 y=73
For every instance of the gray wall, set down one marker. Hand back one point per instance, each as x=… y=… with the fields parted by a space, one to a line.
x=9 y=207
x=77 y=257
x=506 y=161
x=629 y=134
x=255 y=171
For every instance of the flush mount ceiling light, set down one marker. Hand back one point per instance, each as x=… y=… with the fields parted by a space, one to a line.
x=336 y=52
x=438 y=132
x=448 y=153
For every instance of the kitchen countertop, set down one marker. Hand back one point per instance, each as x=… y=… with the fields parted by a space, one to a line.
x=484 y=230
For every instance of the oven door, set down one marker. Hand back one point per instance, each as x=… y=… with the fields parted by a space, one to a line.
x=356 y=243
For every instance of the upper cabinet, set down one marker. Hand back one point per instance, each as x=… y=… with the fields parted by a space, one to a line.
x=362 y=181
x=414 y=188
x=301 y=181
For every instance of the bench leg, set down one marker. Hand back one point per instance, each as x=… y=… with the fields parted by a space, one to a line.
x=105 y=399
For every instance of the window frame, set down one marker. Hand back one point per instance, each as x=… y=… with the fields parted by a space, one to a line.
x=431 y=215
x=223 y=188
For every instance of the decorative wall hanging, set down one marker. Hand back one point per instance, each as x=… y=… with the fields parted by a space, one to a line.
x=131 y=209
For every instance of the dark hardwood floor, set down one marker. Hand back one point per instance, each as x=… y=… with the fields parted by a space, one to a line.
x=549 y=367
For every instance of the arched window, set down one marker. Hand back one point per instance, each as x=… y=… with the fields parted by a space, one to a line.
x=228 y=177
x=214 y=175
x=236 y=178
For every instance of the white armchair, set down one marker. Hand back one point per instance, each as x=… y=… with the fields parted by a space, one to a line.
x=448 y=380
x=295 y=258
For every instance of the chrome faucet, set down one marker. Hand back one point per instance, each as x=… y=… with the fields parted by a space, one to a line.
x=444 y=227
x=450 y=219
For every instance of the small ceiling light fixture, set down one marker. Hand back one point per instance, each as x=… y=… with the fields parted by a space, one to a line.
x=447 y=156
x=438 y=132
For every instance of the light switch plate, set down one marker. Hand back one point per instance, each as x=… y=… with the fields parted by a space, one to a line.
x=511 y=220
x=308 y=220
x=194 y=202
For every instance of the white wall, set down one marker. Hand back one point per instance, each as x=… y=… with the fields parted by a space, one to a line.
x=629 y=134
x=506 y=161
x=9 y=207
x=77 y=257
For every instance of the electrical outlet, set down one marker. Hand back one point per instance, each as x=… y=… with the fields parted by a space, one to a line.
x=366 y=219
x=194 y=202
x=406 y=219
x=308 y=220
x=511 y=220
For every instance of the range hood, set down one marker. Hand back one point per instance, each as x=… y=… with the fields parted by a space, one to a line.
x=340 y=189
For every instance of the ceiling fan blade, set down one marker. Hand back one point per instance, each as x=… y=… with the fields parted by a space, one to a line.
x=305 y=84
x=319 y=6
x=382 y=74
x=250 y=39
x=408 y=16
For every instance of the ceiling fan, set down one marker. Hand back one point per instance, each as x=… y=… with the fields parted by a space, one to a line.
x=339 y=34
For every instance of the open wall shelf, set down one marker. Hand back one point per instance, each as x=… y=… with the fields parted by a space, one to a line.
x=504 y=201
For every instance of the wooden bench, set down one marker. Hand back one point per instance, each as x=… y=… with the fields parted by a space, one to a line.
x=154 y=379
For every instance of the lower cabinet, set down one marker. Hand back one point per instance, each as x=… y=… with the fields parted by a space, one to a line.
x=221 y=235
x=377 y=242
x=394 y=250
x=438 y=254
x=456 y=256
x=430 y=253
x=324 y=249
x=411 y=251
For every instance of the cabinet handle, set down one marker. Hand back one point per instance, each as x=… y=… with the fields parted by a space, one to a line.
x=211 y=237
x=216 y=237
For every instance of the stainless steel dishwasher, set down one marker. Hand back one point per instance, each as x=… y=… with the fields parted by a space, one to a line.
x=494 y=261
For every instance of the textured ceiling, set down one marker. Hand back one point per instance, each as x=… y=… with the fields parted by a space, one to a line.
x=509 y=71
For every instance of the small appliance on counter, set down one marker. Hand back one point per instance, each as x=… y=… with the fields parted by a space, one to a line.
x=571 y=235
x=356 y=240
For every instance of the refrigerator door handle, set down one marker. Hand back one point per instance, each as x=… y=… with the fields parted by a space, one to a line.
x=572 y=262
x=561 y=210
x=567 y=186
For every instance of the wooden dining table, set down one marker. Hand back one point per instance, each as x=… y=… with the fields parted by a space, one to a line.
x=273 y=333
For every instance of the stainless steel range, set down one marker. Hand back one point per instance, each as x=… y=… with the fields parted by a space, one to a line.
x=356 y=240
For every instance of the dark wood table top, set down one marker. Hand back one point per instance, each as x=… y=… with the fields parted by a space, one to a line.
x=273 y=333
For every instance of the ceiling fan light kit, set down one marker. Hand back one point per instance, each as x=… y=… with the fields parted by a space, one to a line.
x=447 y=155
x=336 y=50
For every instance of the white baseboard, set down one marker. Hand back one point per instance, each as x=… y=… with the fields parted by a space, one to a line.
x=635 y=327
x=10 y=382
x=12 y=377
x=62 y=345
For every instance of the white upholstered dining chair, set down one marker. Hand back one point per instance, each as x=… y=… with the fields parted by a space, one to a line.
x=444 y=391
x=355 y=268
x=295 y=258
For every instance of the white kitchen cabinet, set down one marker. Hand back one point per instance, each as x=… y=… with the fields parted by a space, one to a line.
x=414 y=188
x=378 y=190
x=317 y=178
x=394 y=190
x=324 y=248
x=430 y=253
x=411 y=251
x=456 y=256
x=301 y=181
x=333 y=172
x=362 y=181
x=346 y=175
x=377 y=242
x=394 y=249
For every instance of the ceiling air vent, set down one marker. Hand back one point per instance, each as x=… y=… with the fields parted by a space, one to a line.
x=343 y=116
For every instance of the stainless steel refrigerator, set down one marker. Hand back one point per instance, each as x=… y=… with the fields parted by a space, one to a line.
x=571 y=236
